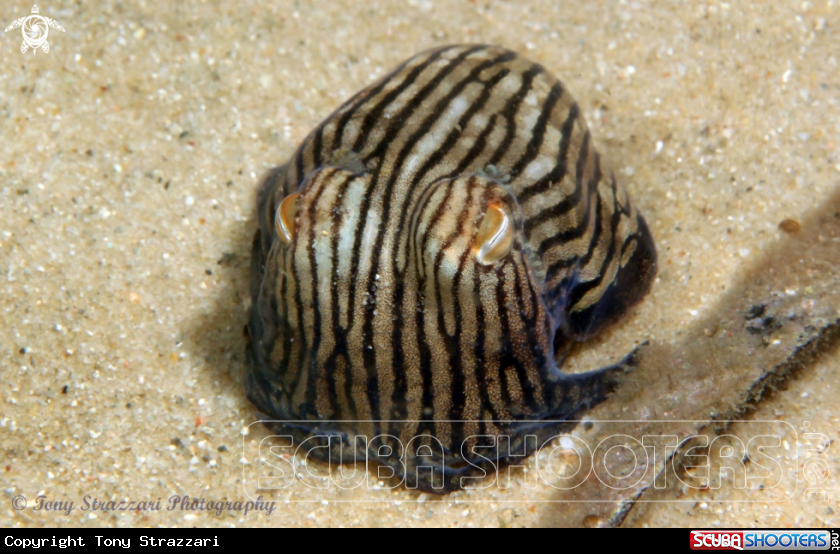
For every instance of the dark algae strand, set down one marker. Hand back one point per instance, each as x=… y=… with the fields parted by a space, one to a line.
x=425 y=260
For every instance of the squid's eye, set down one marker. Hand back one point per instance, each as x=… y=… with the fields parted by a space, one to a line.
x=495 y=236
x=284 y=219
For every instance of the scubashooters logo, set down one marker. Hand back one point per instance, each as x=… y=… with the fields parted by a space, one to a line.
x=762 y=540
x=717 y=540
x=567 y=461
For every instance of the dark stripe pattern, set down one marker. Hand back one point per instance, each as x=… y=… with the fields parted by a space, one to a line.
x=376 y=319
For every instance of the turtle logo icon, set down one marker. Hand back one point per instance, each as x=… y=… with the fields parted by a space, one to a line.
x=35 y=30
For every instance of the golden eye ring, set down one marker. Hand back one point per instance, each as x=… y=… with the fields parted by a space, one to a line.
x=284 y=219
x=495 y=236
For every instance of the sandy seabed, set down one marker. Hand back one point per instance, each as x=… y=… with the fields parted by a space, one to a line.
x=129 y=162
